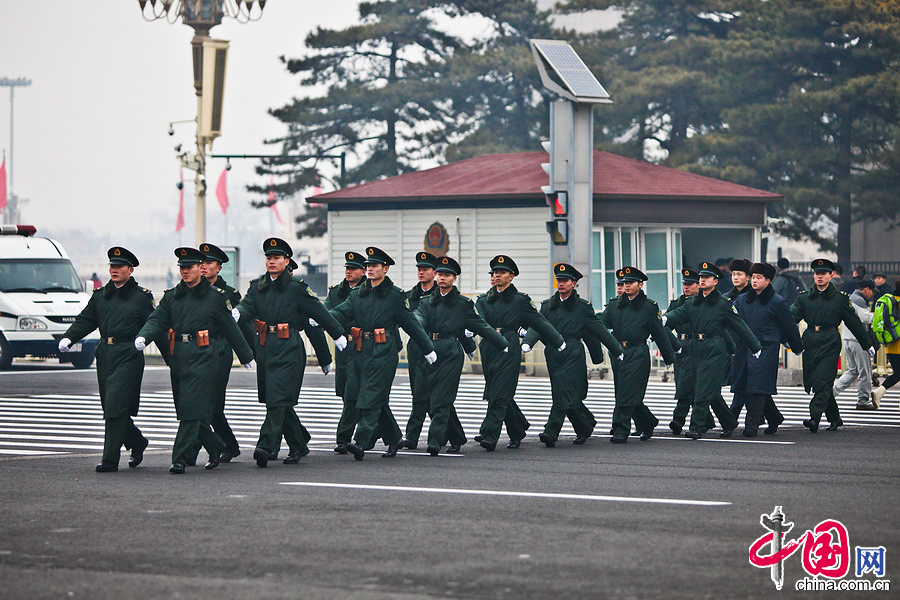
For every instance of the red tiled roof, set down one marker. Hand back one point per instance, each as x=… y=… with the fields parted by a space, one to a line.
x=520 y=176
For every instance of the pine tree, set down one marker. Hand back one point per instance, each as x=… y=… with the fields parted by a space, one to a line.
x=813 y=91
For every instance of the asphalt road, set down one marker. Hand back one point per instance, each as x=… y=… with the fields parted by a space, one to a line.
x=668 y=518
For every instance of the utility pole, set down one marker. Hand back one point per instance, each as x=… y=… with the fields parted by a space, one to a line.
x=11 y=210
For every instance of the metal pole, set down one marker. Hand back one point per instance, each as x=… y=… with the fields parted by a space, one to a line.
x=581 y=201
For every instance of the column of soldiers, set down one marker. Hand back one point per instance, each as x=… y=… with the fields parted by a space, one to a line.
x=202 y=322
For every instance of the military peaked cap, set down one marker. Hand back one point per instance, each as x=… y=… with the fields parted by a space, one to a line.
x=764 y=269
x=740 y=264
x=121 y=256
x=213 y=252
x=626 y=274
x=821 y=265
x=707 y=269
x=292 y=265
x=276 y=245
x=424 y=259
x=565 y=270
x=445 y=264
x=377 y=256
x=189 y=256
x=505 y=263
x=689 y=276
x=354 y=260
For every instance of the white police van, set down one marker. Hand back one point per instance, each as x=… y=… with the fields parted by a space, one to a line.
x=40 y=296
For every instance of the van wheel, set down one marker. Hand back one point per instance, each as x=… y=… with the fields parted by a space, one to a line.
x=5 y=354
x=83 y=359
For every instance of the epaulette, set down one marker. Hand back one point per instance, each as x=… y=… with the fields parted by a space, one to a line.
x=146 y=291
x=100 y=289
x=585 y=301
x=844 y=293
x=543 y=302
x=220 y=290
x=651 y=301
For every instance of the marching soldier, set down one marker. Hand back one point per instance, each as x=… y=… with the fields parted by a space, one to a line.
x=418 y=374
x=709 y=315
x=448 y=317
x=633 y=318
x=769 y=317
x=211 y=268
x=346 y=377
x=118 y=310
x=823 y=308
x=196 y=317
x=280 y=307
x=574 y=318
x=506 y=309
x=376 y=309
x=684 y=369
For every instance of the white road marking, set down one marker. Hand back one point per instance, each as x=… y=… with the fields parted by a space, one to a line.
x=400 y=488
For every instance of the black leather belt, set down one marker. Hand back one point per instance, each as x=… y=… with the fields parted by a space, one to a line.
x=704 y=336
x=502 y=330
x=184 y=338
x=272 y=328
x=441 y=336
x=110 y=340
x=822 y=328
x=627 y=344
x=369 y=335
x=684 y=336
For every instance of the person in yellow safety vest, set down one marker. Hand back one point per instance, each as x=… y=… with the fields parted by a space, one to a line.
x=887 y=329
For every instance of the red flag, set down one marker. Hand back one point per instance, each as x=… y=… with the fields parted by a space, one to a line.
x=317 y=189
x=273 y=201
x=3 y=183
x=222 y=192
x=179 y=222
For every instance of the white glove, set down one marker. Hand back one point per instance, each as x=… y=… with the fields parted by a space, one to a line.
x=140 y=343
x=469 y=334
x=526 y=348
x=757 y=353
x=431 y=357
x=249 y=365
x=471 y=355
x=506 y=349
x=664 y=319
x=871 y=350
x=522 y=332
x=64 y=344
x=340 y=343
x=313 y=323
x=679 y=351
x=561 y=348
x=326 y=368
x=235 y=314
x=622 y=357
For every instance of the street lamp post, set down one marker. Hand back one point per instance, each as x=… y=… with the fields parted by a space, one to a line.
x=201 y=16
x=11 y=209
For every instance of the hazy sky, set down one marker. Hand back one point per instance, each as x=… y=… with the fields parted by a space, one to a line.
x=92 y=151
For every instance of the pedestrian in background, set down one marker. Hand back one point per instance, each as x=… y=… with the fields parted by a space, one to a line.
x=852 y=284
x=787 y=283
x=882 y=286
x=857 y=363
x=887 y=329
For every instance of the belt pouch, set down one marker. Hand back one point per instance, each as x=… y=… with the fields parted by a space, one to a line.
x=380 y=336
x=203 y=338
x=260 y=331
x=171 y=342
x=284 y=331
x=356 y=336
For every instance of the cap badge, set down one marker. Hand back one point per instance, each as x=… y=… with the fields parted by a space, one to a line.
x=205 y=248
x=184 y=252
x=446 y=261
x=500 y=260
x=562 y=267
x=350 y=256
x=820 y=261
x=117 y=252
x=371 y=251
x=272 y=242
x=422 y=256
x=628 y=270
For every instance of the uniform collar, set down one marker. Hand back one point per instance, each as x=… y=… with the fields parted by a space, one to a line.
x=636 y=303
x=125 y=291
x=449 y=299
x=279 y=283
x=569 y=303
x=506 y=295
x=827 y=293
x=199 y=290
x=713 y=296
x=763 y=296
x=381 y=290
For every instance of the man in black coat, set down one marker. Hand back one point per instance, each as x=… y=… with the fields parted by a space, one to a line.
x=769 y=317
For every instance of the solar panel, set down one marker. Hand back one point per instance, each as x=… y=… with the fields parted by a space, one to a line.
x=570 y=69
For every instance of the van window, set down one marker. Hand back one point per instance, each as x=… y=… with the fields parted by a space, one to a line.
x=38 y=275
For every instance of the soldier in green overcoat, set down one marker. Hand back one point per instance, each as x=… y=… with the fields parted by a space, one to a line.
x=211 y=268
x=418 y=373
x=574 y=318
x=449 y=318
x=279 y=306
x=507 y=310
x=709 y=317
x=633 y=318
x=118 y=310
x=376 y=309
x=823 y=308
x=346 y=377
x=201 y=330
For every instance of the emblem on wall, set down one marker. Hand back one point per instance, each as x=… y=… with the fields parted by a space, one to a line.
x=437 y=241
